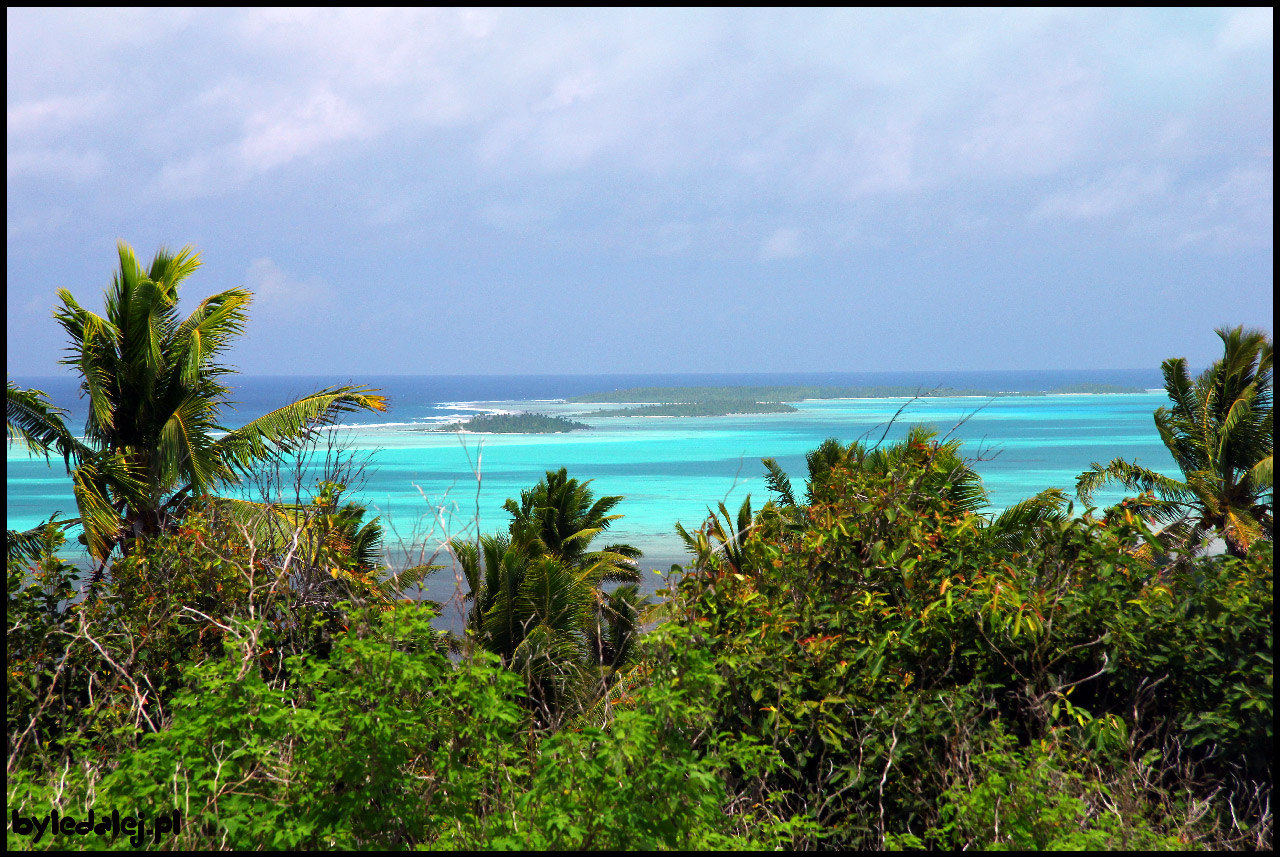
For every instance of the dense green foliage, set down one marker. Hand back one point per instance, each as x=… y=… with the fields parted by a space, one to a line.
x=881 y=637
x=538 y=602
x=191 y=680
x=524 y=423
x=871 y=668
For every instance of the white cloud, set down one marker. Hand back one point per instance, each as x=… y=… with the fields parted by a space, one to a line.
x=1114 y=194
x=44 y=114
x=785 y=243
x=187 y=179
x=1232 y=210
x=272 y=139
x=1247 y=29
x=885 y=162
x=741 y=118
x=279 y=296
x=569 y=90
x=65 y=164
x=1249 y=188
x=1035 y=126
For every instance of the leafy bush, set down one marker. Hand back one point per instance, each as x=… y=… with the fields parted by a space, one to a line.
x=874 y=635
x=1035 y=799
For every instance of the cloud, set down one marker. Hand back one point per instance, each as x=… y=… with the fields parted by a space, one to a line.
x=783 y=244
x=635 y=119
x=63 y=164
x=1033 y=127
x=272 y=139
x=190 y=178
x=278 y=296
x=1232 y=210
x=53 y=113
x=1247 y=29
x=1114 y=194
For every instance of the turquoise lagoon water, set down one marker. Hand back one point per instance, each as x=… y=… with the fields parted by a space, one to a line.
x=428 y=485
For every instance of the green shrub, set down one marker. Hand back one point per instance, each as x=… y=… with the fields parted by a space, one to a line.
x=1035 y=799
x=873 y=634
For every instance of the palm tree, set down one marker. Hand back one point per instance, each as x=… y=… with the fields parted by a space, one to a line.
x=616 y=626
x=533 y=611
x=537 y=599
x=727 y=553
x=1220 y=434
x=949 y=473
x=561 y=516
x=150 y=442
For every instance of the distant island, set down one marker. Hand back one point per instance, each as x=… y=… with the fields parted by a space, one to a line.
x=718 y=408
x=720 y=401
x=726 y=401
x=523 y=423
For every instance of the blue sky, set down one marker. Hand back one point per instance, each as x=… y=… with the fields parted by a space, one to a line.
x=428 y=192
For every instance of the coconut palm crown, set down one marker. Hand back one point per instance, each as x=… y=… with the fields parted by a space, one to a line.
x=1220 y=433
x=561 y=516
x=152 y=439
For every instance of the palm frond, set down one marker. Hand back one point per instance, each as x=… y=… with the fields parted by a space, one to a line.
x=98 y=515
x=1261 y=474
x=1018 y=526
x=1241 y=529
x=620 y=694
x=31 y=419
x=397 y=584
x=208 y=330
x=33 y=546
x=282 y=429
x=93 y=352
x=1134 y=478
x=778 y=482
x=272 y=528
x=185 y=449
x=169 y=270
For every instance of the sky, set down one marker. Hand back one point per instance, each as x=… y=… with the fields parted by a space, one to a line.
x=587 y=191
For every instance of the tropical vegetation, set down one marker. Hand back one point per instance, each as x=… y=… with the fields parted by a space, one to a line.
x=522 y=423
x=152 y=441
x=1220 y=432
x=872 y=659
x=888 y=645
x=537 y=596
